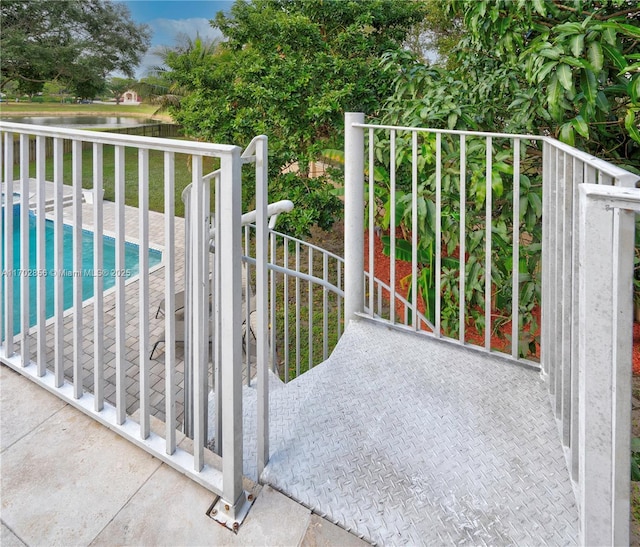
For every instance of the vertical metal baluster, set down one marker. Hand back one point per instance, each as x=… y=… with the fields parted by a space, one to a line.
x=392 y=225
x=438 y=240
x=262 y=347
x=77 y=268
x=298 y=297
x=218 y=317
x=546 y=356
x=285 y=302
x=339 y=298
x=515 y=281
x=487 y=243
x=372 y=215
x=143 y=287
x=310 y=295
x=566 y=297
x=4 y=202
x=41 y=265
x=199 y=308
x=25 y=306
x=325 y=308
x=463 y=234
x=58 y=261
x=121 y=364
x=98 y=282
x=272 y=302
x=247 y=305
x=558 y=334
x=574 y=440
x=414 y=230
x=170 y=387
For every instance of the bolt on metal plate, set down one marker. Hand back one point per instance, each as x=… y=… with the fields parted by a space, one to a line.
x=223 y=513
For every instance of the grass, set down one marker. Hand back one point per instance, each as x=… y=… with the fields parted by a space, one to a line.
x=93 y=109
x=156 y=175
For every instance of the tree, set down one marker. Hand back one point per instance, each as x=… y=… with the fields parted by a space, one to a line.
x=566 y=69
x=578 y=64
x=434 y=38
x=159 y=87
x=543 y=67
x=290 y=69
x=43 y=41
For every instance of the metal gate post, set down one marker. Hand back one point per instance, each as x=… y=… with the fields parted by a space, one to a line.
x=262 y=342
x=233 y=506
x=606 y=267
x=353 y=215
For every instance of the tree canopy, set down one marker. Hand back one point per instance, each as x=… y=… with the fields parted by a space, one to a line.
x=290 y=69
x=76 y=41
x=568 y=69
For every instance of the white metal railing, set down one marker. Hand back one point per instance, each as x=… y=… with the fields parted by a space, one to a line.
x=110 y=334
x=584 y=272
x=442 y=185
x=306 y=303
x=602 y=324
x=304 y=289
x=588 y=250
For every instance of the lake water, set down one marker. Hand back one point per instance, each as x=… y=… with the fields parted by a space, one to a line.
x=94 y=122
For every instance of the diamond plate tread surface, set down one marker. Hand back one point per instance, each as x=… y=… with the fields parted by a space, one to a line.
x=406 y=440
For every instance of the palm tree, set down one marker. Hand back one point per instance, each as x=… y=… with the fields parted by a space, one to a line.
x=159 y=87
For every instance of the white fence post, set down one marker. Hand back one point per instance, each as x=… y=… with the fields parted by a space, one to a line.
x=353 y=215
x=229 y=250
x=262 y=342
x=606 y=268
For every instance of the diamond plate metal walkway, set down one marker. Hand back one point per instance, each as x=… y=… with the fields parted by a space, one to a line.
x=408 y=440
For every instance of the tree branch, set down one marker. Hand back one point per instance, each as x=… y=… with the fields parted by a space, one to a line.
x=627 y=12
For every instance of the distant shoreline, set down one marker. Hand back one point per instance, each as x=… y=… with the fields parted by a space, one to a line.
x=9 y=109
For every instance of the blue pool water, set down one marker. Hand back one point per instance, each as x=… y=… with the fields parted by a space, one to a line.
x=108 y=270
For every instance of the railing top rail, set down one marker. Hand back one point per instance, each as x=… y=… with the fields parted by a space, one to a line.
x=119 y=139
x=451 y=131
x=615 y=196
x=600 y=164
x=305 y=244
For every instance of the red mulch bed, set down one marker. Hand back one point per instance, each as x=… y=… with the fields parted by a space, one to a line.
x=382 y=269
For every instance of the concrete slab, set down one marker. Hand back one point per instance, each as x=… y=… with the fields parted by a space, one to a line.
x=274 y=520
x=18 y=414
x=171 y=510
x=8 y=538
x=67 y=479
x=322 y=533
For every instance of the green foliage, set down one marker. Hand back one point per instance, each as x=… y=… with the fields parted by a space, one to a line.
x=501 y=225
x=635 y=459
x=577 y=65
x=434 y=37
x=290 y=69
x=566 y=69
x=75 y=41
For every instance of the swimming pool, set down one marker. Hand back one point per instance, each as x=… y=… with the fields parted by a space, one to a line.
x=108 y=271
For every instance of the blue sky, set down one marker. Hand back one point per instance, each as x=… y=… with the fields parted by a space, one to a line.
x=170 y=18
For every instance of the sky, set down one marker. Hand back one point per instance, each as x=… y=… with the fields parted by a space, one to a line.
x=170 y=18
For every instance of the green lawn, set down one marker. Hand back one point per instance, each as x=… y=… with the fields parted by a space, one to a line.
x=156 y=175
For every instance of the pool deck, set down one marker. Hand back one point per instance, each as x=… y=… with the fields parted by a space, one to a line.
x=106 y=491
x=156 y=295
